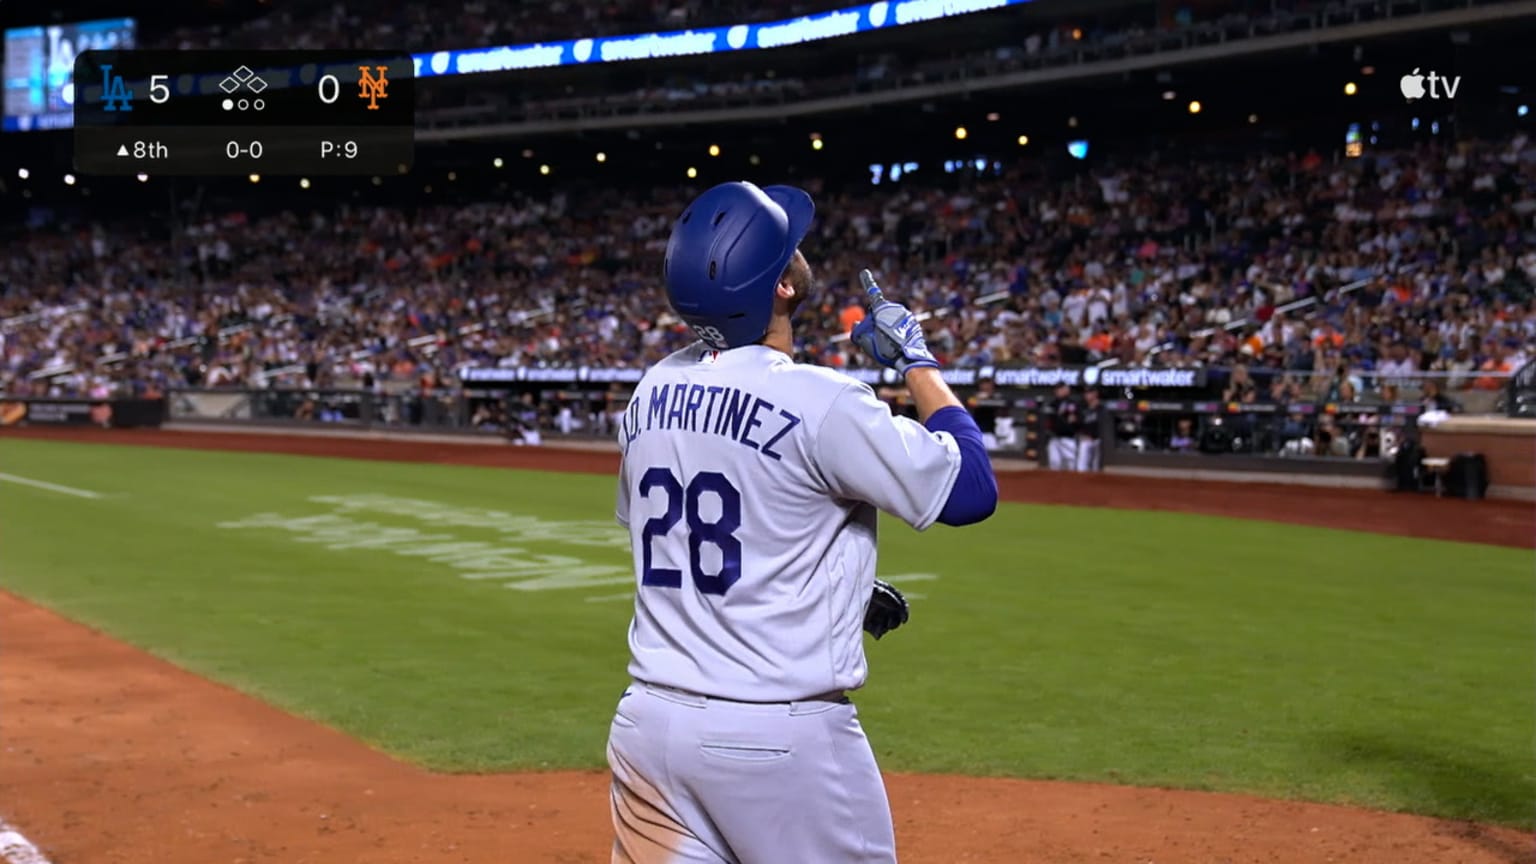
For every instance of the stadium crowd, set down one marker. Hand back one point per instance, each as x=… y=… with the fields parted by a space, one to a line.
x=1390 y=265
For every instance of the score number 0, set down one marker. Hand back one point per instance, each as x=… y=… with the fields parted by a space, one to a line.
x=335 y=86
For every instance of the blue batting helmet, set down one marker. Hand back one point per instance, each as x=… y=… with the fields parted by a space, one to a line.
x=726 y=255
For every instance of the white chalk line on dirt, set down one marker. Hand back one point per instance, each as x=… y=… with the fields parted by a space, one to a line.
x=51 y=487
x=16 y=849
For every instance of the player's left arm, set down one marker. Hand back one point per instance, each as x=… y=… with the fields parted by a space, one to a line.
x=920 y=474
x=974 y=495
x=893 y=336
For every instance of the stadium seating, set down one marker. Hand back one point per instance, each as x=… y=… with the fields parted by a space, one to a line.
x=1410 y=262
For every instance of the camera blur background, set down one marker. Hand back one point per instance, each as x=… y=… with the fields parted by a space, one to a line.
x=1239 y=187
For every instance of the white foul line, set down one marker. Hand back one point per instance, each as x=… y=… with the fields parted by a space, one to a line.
x=51 y=487
x=16 y=849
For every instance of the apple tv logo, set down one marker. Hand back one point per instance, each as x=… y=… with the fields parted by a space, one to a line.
x=1413 y=87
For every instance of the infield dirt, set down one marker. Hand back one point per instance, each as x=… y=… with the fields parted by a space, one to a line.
x=110 y=755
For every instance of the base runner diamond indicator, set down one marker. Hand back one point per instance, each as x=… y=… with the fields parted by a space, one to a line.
x=245 y=76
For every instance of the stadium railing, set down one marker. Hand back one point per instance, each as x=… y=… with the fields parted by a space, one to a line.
x=338 y=408
x=1013 y=403
x=1519 y=397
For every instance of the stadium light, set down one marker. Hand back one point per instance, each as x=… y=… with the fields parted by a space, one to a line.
x=1169 y=95
x=1077 y=149
x=544 y=169
x=378 y=181
x=497 y=162
x=303 y=182
x=255 y=178
x=602 y=157
x=527 y=154
x=1072 y=121
x=1367 y=70
x=1253 y=118
x=1350 y=89
x=714 y=149
x=754 y=159
x=143 y=178
x=1519 y=112
x=993 y=117
x=452 y=176
x=1023 y=140
x=1077 y=34
x=69 y=179
x=816 y=144
x=23 y=173
x=960 y=133
x=692 y=172
x=1194 y=106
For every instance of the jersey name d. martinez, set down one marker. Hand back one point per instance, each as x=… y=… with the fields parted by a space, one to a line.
x=750 y=486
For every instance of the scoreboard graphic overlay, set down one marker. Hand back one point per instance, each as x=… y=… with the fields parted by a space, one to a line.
x=278 y=113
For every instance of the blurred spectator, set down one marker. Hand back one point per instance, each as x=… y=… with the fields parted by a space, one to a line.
x=1183 y=440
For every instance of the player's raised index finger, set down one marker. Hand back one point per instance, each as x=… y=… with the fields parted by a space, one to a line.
x=871 y=288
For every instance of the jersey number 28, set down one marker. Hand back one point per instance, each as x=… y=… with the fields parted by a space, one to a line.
x=721 y=532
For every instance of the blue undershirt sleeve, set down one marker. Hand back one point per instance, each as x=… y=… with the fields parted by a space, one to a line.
x=974 y=495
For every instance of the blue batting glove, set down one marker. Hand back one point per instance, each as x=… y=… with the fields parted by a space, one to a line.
x=890 y=334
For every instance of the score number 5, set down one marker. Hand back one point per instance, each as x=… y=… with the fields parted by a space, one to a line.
x=159 y=91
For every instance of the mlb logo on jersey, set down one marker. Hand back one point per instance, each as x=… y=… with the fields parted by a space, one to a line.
x=709 y=356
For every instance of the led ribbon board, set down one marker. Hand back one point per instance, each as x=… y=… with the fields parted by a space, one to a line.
x=708 y=40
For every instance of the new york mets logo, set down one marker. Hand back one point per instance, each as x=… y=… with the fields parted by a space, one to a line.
x=371 y=88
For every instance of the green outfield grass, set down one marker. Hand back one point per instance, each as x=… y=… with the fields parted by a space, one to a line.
x=1055 y=642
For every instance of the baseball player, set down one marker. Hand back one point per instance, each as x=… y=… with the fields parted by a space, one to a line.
x=1062 y=451
x=1088 y=431
x=750 y=486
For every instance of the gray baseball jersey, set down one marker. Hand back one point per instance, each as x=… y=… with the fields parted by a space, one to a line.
x=750 y=486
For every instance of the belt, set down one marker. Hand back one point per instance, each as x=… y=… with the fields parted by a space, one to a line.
x=829 y=696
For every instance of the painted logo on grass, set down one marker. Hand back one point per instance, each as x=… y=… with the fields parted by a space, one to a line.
x=348 y=528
